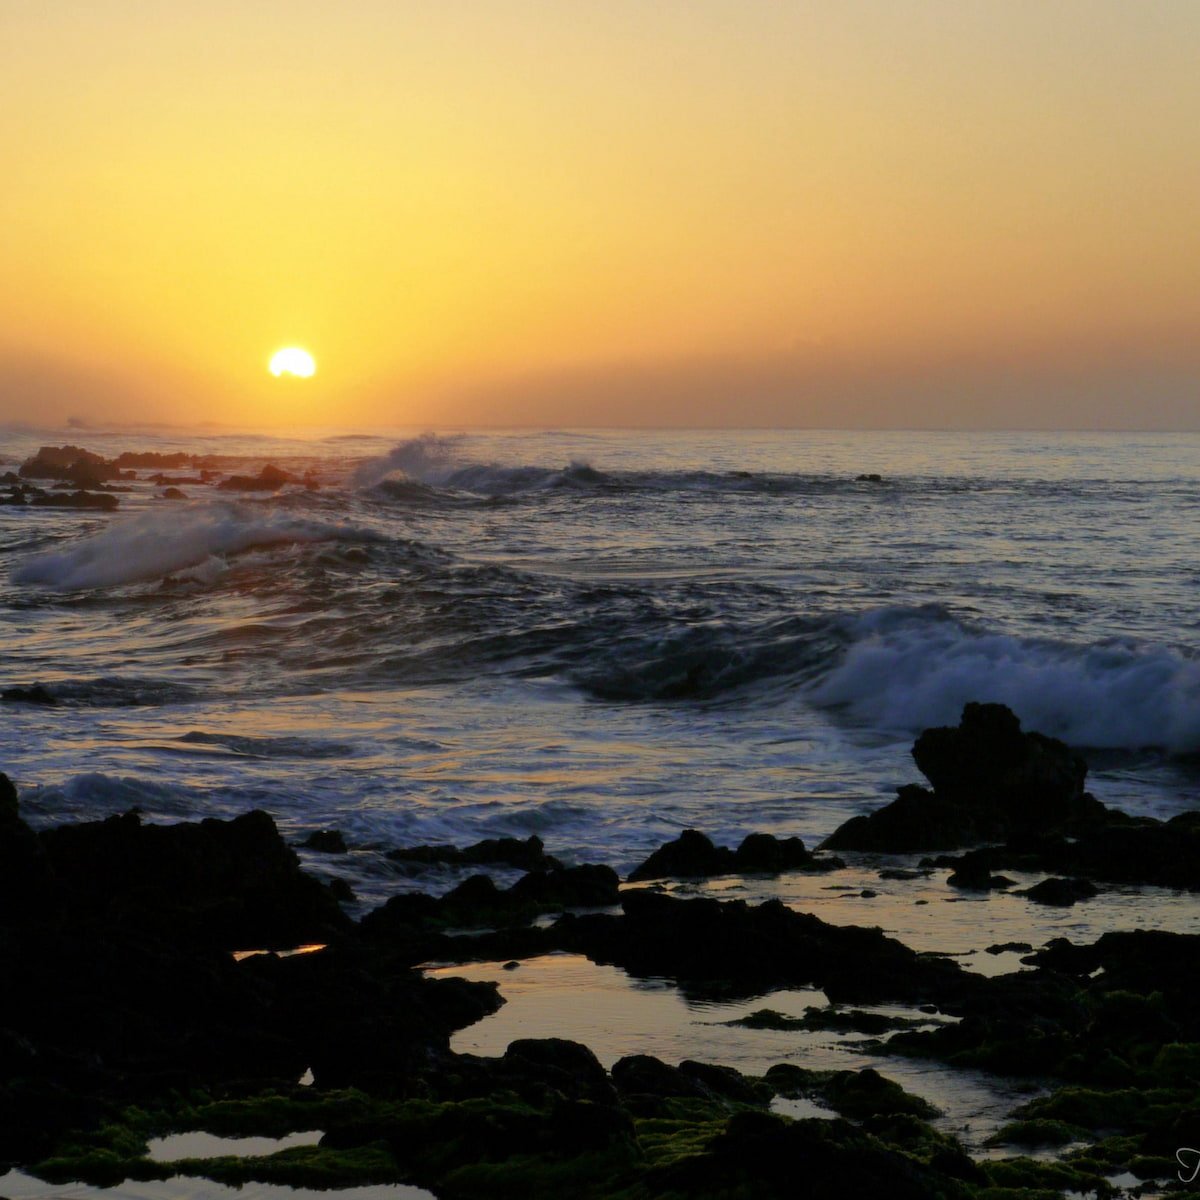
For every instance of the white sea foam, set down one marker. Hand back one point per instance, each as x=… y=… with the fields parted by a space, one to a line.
x=904 y=671
x=427 y=459
x=158 y=543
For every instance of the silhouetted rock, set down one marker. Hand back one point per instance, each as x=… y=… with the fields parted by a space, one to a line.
x=915 y=820
x=725 y=1083
x=762 y=1155
x=151 y=458
x=586 y=886
x=690 y=855
x=325 y=841
x=1111 y=848
x=990 y=781
x=97 y=500
x=527 y=855
x=693 y=856
x=643 y=1075
x=973 y=874
x=569 y=1068
x=68 y=462
x=409 y=919
x=735 y=948
x=173 y=493
x=234 y=884
x=1031 y=780
x=8 y=799
x=269 y=479
x=1061 y=892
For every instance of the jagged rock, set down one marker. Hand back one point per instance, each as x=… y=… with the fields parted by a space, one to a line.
x=586 y=886
x=269 y=479
x=8 y=800
x=916 y=820
x=692 y=855
x=973 y=875
x=325 y=841
x=478 y=902
x=987 y=760
x=234 y=883
x=151 y=458
x=1113 y=849
x=990 y=781
x=527 y=855
x=1061 y=892
x=739 y=949
x=68 y=462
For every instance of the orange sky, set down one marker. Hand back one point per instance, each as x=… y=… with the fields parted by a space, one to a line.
x=952 y=212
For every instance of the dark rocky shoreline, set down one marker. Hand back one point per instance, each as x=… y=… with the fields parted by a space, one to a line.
x=82 y=479
x=126 y=1014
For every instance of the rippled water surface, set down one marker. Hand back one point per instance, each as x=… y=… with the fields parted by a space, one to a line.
x=597 y=637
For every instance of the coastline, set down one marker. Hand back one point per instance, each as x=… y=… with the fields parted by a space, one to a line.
x=138 y=1020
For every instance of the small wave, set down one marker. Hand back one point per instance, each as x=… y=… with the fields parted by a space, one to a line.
x=703 y=661
x=114 y=691
x=268 y=747
x=96 y=795
x=156 y=544
x=904 y=669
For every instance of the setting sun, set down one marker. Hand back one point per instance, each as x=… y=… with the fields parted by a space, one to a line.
x=293 y=361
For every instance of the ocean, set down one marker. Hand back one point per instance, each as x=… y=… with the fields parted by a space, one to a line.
x=598 y=637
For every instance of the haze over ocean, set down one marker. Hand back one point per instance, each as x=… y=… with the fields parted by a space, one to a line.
x=596 y=636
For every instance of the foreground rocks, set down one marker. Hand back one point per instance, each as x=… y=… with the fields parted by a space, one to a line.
x=1022 y=793
x=116 y=939
x=990 y=781
x=692 y=855
x=130 y=1018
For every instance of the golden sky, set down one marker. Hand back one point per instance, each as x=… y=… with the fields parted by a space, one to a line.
x=861 y=212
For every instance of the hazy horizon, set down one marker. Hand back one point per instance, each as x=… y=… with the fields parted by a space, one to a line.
x=715 y=215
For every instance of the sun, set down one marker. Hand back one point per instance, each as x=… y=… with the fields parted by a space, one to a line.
x=293 y=361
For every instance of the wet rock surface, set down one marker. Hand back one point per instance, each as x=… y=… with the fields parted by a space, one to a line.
x=528 y=855
x=694 y=856
x=73 y=477
x=990 y=780
x=133 y=1017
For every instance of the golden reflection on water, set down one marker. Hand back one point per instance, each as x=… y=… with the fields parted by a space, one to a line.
x=241 y=955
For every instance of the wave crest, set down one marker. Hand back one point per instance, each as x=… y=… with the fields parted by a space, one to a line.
x=156 y=544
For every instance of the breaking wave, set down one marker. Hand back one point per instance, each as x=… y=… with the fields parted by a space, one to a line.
x=1116 y=694
x=905 y=669
x=155 y=544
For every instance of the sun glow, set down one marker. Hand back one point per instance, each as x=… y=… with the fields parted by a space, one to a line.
x=293 y=361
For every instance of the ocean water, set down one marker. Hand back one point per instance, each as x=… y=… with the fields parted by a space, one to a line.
x=598 y=637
